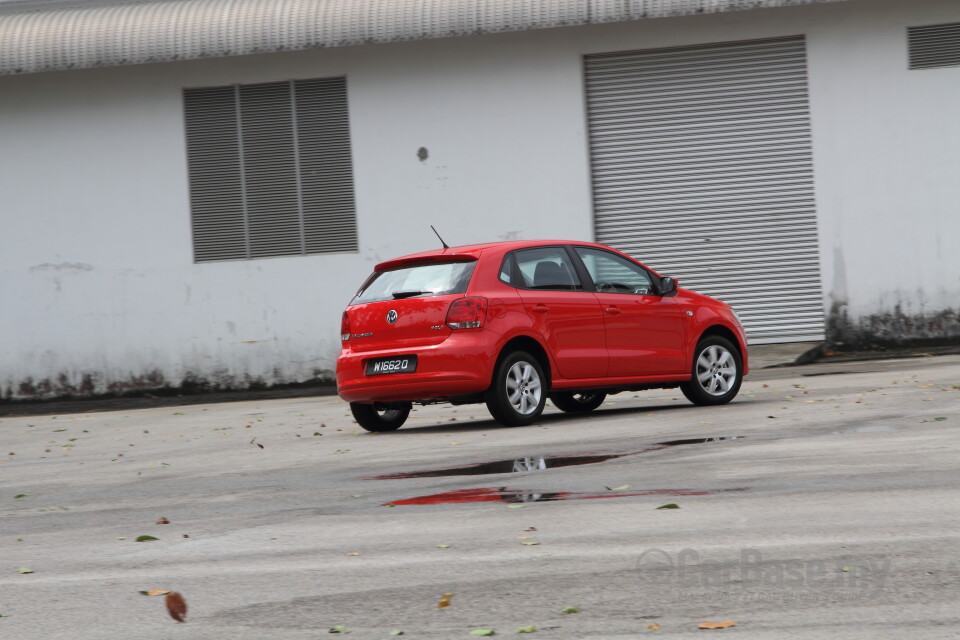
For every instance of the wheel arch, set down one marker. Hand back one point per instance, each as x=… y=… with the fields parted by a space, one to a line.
x=531 y=346
x=724 y=332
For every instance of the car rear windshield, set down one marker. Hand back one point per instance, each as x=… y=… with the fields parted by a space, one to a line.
x=428 y=279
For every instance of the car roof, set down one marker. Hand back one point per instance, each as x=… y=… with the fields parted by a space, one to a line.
x=472 y=251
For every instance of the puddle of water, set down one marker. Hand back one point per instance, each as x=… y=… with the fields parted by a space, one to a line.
x=831 y=373
x=503 y=494
x=674 y=443
x=515 y=465
x=536 y=463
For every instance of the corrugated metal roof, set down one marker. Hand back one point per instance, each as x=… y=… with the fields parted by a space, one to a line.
x=55 y=35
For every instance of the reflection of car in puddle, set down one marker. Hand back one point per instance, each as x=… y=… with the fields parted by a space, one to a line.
x=674 y=443
x=540 y=463
x=526 y=496
x=529 y=464
x=510 y=465
x=524 y=464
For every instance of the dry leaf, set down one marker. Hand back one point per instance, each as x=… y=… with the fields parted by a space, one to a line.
x=716 y=625
x=354 y=553
x=653 y=627
x=444 y=600
x=163 y=521
x=177 y=606
x=530 y=529
x=157 y=592
x=456 y=443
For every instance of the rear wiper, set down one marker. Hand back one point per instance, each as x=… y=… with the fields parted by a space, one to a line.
x=409 y=294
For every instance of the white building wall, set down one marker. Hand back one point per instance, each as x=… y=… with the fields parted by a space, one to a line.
x=97 y=282
x=886 y=153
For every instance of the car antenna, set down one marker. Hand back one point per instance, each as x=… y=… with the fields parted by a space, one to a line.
x=441 y=239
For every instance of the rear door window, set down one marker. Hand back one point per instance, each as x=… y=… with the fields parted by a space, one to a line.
x=547 y=268
x=428 y=279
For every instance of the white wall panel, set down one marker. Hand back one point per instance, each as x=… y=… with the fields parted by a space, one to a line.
x=96 y=270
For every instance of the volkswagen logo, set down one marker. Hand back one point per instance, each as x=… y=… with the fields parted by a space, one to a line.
x=391 y=316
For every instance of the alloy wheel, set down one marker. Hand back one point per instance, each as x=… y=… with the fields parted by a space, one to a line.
x=523 y=388
x=716 y=370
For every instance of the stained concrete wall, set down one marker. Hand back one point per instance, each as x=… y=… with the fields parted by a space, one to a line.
x=100 y=292
x=886 y=151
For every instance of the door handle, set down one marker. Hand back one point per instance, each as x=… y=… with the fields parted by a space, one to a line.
x=541 y=308
x=613 y=309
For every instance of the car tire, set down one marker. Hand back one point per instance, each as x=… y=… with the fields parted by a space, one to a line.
x=373 y=418
x=518 y=393
x=717 y=372
x=577 y=401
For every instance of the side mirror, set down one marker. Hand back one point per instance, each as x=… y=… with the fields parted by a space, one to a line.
x=668 y=286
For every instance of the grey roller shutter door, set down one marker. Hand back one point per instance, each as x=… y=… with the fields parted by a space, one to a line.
x=702 y=169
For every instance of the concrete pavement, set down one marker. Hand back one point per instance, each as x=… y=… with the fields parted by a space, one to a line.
x=833 y=514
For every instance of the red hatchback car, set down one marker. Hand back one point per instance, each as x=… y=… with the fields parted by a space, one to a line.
x=514 y=323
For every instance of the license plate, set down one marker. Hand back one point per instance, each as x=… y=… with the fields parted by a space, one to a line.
x=400 y=364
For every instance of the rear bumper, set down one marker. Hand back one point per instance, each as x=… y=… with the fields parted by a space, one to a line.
x=459 y=366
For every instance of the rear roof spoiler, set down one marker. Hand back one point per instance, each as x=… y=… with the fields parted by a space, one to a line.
x=426 y=259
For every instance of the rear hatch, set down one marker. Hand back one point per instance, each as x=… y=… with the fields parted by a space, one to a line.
x=406 y=306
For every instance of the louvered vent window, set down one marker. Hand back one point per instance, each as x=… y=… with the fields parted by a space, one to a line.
x=270 y=170
x=934 y=46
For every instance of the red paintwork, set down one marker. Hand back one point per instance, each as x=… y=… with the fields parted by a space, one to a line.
x=448 y=255
x=644 y=335
x=571 y=327
x=503 y=494
x=649 y=340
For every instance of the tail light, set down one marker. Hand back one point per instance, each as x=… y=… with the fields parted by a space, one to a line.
x=467 y=313
x=344 y=327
